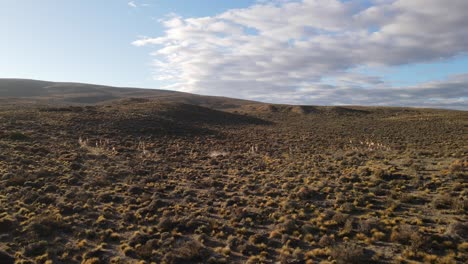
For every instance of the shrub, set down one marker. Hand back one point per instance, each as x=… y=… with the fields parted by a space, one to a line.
x=326 y=241
x=348 y=252
x=442 y=201
x=7 y=224
x=167 y=223
x=348 y=207
x=46 y=225
x=457 y=166
x=402 y=234
x=348 y=226
x=36 y=248
x=186 y=251
x=366 y=225
x=19 y=178
x=457 y=230
x=408 y=235
x=146 y=251
x=18 y=136
x=460 y=205
x=6 y=258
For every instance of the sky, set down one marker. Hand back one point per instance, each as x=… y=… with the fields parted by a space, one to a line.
x=317 y=52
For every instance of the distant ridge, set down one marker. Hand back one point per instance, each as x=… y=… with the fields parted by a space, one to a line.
x=27 y=91
x=65 y=93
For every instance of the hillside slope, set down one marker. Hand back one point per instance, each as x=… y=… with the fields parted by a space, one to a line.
x=14 y=91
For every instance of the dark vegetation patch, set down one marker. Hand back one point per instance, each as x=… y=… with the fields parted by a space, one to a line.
x=18 y=136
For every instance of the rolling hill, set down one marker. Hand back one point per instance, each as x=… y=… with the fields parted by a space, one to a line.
x=13 y=91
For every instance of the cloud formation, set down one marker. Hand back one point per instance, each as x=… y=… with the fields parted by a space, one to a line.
x=135 y=4
x=307 y=52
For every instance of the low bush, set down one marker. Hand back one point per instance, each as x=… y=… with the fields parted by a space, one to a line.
x=348 y=253
x=18 y=136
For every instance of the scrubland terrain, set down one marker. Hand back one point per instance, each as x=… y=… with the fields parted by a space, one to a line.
x=142 y=181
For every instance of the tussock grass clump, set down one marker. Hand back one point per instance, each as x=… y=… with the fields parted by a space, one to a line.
x=91 y=261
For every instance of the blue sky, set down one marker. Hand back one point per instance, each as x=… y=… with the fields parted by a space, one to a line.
x=88 y=40
x=242 y=48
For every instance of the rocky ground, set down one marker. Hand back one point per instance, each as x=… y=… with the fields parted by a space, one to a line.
x=140 y=181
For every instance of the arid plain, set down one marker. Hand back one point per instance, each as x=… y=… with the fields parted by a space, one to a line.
x=178 y=178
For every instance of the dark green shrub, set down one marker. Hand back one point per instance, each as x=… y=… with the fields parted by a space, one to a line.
x=18 y=136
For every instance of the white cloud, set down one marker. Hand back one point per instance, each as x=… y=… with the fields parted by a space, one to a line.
x=135 y=4
x=306 y=51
